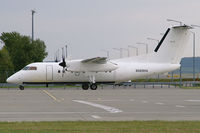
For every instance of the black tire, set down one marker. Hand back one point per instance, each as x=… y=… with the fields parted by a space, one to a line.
x=85 y=86
x=93 y=86
x=21 y=87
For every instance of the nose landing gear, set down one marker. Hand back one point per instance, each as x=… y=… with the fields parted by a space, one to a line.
x=21 y=87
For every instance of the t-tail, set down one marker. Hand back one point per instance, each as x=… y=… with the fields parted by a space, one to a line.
x=171 y=47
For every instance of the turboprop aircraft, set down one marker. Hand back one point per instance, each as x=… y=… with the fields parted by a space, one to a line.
x=99 y=70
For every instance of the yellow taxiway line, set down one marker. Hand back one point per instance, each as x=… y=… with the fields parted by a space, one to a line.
x=50 y=95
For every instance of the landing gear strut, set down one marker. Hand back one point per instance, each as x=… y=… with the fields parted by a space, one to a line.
x=21 y=87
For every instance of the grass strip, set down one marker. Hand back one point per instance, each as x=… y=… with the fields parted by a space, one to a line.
x=101 y=127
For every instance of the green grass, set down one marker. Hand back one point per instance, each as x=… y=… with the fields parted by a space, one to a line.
x=192 y=87
x=101 y=127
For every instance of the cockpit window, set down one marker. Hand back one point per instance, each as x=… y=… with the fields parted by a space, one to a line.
x=25 y=68
x=30 y=68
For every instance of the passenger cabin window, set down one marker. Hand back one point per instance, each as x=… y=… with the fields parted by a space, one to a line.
x=29 y=68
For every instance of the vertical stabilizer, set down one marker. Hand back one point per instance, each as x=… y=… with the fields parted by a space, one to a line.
x=171 y=47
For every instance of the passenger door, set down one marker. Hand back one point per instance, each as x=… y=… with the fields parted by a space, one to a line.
x=49 y=73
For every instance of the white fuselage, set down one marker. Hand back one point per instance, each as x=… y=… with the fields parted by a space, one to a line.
x=48 y=72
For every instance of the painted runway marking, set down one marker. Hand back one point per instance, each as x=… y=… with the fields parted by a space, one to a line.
x=144 y=101
x=96 y=116
x=180 y=106
x=62 y=113
x=160 y=103
x=132 y=100
x=192 y=100
x=50 y=95
x=109 y=100
x=107 y=108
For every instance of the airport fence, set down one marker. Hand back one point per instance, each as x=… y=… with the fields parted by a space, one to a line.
x=124 y=85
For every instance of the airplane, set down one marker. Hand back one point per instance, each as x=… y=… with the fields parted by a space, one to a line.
x=100 y=70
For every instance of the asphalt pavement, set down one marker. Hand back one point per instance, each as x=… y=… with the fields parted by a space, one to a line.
x=105 y=104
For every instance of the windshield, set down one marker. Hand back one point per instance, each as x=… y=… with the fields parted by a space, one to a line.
x=29 y=68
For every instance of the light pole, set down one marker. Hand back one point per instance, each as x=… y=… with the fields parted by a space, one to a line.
x=130 y=46
x=152 y=39
x=127 y=51
x=193 y=40
x=107 y=53
x=120 y=51
x=145 y=45
x=193 y=33
x=32 y=11
x=172 y=20
x=180 y=77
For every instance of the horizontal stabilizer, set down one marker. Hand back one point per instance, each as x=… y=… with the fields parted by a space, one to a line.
x=183 y=26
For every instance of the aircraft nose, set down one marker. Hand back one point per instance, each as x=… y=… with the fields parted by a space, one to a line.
x=15 y=78
x=10 y=79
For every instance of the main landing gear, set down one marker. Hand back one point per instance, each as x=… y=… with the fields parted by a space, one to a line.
x=92 y=86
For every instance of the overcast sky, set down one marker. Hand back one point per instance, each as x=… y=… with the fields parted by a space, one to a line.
x=88 y=26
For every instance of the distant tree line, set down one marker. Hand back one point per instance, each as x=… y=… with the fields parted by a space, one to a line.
x=19 y=51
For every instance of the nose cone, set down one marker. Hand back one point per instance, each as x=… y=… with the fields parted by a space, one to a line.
x=14 y=79
x=10 y=80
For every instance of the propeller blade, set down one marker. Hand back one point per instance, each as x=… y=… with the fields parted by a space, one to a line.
x=63 y=55
x=55 y=57
x=66 y=50
x=63 y=63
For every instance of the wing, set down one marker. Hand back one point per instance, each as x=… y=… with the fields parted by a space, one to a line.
x=97 y=60
x=97 y=64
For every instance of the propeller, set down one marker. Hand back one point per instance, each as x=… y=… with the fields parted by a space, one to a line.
x=66 y=50
x=63 y=63
x=56 y=56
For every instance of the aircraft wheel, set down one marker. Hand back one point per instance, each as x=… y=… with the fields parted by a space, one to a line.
x=21 y=87
x=85 y=86
x=93 y=86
